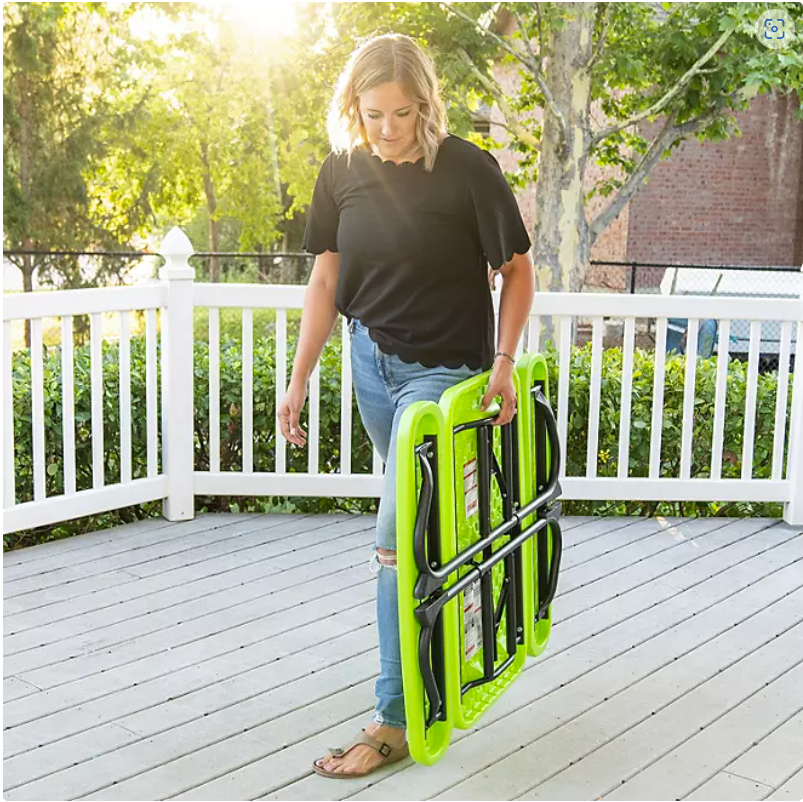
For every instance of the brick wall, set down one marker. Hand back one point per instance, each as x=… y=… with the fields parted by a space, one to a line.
x=734 y=202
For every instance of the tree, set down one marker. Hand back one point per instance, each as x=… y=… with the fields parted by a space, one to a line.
x=209 y=135
x=60 y=60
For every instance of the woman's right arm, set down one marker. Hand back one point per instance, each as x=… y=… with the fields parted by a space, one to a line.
x=318 y=319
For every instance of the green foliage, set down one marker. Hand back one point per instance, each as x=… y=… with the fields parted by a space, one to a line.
x=230 y=427
x=647 y=52
x=63 y=68
x=264 y=414
x=54 y=474
x=264 y=443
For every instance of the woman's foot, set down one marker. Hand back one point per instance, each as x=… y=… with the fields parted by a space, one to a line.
x=363 y=758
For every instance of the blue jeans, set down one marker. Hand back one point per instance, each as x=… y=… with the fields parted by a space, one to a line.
x=385 y=386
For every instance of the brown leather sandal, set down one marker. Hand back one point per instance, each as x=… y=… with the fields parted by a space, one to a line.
x=389 y=755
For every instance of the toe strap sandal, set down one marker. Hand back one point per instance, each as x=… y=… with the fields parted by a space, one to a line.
x=389 y=755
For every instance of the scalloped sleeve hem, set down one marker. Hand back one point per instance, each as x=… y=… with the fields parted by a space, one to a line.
x=323 y=216
x=494 y=213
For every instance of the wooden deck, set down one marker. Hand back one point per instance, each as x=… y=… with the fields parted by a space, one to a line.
x=214 y=659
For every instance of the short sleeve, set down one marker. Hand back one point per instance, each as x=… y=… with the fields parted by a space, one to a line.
x=323 y=215
x=494 y=212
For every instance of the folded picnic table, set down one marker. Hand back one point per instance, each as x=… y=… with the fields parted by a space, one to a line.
x=478 y=549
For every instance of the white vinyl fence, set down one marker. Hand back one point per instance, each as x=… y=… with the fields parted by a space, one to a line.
x=175 y=299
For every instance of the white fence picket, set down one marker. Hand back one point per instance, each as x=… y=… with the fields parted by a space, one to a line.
x=248 y=390
x=658 y=398
x=626 y=400
x=38 y=410
x=534 y=333
x=164 y=344
x=281 y=385
x=594 y=399
x=96 y=380
x=750 y=401
x=314 y=434
x=520 y=345
x=781 y=400
x=689 y=386
x=721 y=398
x=68 y=403
x=793 y=507
x=345 y=399
x=125 y=398
x=214 y=390
x=151 y=422
x=563 y=382
x=9 y=490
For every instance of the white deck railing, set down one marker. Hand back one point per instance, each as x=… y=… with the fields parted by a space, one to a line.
x=176 y=298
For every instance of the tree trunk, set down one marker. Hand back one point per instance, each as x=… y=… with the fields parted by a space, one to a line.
x=214 y=246
x=27 y=284
x=272 y=141
x=25 y=185
x=211 y=206
x=561 y=246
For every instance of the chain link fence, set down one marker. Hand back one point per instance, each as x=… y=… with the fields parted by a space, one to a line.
x=256 y=268
x=719 y=280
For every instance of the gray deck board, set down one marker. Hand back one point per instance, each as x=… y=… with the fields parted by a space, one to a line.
x=215 y=658
x=791 y=790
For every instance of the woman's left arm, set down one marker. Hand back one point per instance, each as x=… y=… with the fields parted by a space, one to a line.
x=514 y=308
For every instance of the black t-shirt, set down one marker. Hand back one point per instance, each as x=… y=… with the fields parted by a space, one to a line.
x=414 y=248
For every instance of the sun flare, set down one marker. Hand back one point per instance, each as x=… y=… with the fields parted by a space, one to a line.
x=261 y=19
x=254 y=20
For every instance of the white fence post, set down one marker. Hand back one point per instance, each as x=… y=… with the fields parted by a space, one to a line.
x=793 y=509
x=177 y=375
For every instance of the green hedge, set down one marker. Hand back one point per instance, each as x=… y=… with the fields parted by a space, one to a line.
x=641 y=427
x=329 y=449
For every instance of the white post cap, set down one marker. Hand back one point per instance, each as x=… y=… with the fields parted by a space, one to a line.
x=176 y=249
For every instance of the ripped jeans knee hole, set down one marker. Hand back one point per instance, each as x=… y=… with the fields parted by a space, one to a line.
x=380 y=560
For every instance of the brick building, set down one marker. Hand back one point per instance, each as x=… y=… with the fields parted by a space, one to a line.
x=734 y=202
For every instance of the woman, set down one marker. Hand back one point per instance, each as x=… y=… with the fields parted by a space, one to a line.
x=404 y=220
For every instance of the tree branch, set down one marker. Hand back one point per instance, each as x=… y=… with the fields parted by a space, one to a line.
x=498 y=39
x=526 y=39
x=540 y=29
x=668 y=97
x=605 y=15
x=701 y=121
x=661 y=142
x=513 y=124
x=530 y=63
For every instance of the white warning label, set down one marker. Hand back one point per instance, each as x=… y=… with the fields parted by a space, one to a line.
x=472 y=619
x=470 y=485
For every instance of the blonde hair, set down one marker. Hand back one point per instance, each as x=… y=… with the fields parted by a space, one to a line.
x=384 y=59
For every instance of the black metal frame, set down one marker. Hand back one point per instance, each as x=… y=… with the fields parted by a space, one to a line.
x=429 y=586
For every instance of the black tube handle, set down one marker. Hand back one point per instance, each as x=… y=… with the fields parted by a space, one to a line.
x=554 y=441
x=428 y=675
x=554 y=567
x=424 y=506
